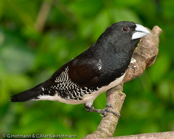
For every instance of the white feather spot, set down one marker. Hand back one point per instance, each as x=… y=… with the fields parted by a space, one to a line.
x=133 y=60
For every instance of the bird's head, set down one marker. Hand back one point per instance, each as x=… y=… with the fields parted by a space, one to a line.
x=123 y=35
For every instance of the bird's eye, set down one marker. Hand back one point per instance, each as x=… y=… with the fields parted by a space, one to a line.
x=125 y=29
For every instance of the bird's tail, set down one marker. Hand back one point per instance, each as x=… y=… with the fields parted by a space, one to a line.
x=28 y=94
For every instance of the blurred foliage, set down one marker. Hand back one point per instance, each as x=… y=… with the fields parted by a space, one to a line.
x=33 y=45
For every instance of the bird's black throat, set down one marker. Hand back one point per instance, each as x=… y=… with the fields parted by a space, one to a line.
x=115 y=60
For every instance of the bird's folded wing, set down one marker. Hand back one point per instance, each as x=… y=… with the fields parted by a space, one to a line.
x=83 y=71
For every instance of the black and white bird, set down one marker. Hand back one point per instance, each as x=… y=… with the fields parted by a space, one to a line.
x=96 y=70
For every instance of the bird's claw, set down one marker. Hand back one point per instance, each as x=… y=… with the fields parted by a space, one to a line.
x=108 y=105
x=106 y=110
x=102 y=112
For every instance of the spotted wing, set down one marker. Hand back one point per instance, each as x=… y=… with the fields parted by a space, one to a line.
x=75 y=79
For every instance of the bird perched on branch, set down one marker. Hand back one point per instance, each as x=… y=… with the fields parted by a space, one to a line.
x=96 y=70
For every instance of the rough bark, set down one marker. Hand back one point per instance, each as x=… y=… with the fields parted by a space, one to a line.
x=144 y=56
x=160 y=135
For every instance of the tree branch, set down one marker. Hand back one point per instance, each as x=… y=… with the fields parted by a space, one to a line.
x=144 y=56
x=160 y=135
x=43 y=14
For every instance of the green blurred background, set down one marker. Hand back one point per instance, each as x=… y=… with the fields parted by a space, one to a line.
x=37 y=37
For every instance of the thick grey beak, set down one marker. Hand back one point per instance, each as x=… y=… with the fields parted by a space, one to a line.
x=140 y=31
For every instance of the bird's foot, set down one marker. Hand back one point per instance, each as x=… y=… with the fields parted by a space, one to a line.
x=102 y=112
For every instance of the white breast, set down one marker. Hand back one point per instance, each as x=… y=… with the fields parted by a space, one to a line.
x=88 y=99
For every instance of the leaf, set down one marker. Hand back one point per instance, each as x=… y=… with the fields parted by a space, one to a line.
x=120 y=3
x=15 y=56
x=100 y=23
x=16 y=59
x=1 y=8
x=19 y=8
x=160 y=68
x=164 y=90
x=125 y=15
x=81 y=8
